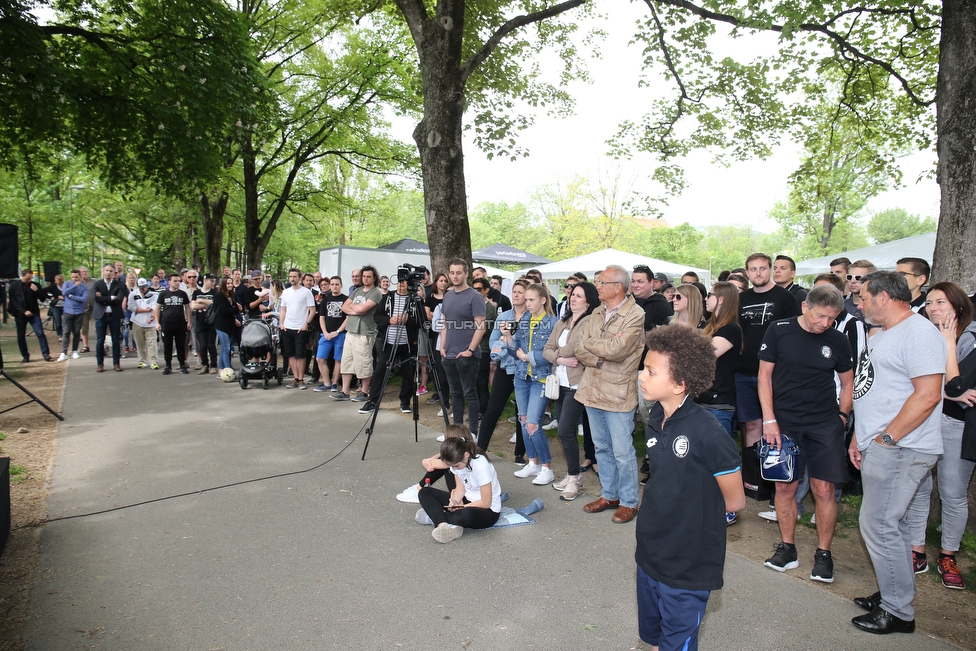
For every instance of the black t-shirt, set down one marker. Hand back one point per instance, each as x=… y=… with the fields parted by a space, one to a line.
x=330 y=307
x=199 y=316
x=804 y=393
x=171 y=306
x=499 y=300
x=248 y=296
x=722 y=391
x=681 y=525
x=756 y=312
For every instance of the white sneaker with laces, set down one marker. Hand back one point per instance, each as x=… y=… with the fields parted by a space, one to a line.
x=530 y=469
x=410 y=495
x=545 y=476
x=768 y=515
x=514 y=439
x=62 y=357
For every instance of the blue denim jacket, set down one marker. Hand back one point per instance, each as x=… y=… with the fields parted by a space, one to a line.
x=499 y=349
x=541 y=367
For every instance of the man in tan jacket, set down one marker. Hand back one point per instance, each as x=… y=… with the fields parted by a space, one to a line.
x=610 y=348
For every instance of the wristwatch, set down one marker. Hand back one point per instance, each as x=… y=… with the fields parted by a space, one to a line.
x=886 y=439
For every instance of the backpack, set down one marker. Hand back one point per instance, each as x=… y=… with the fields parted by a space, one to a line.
x=210 y=314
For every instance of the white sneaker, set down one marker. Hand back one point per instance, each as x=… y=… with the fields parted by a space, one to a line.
x=813 y=519
x=529 y=470
x=440 y=413
x=440 y=439
x=553 y=424
x=445 y=533
x=410 y=495
x=514 y=439
x=75 y=355
x=571 y=489
x=423 y=518
x=768 y=515
x=545 y=476
x=62 y=357
x=579 y=430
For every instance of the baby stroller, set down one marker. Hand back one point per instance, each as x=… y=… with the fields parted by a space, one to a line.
x=259 y=346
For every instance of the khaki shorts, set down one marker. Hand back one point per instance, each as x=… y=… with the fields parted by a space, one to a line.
x=357 y=355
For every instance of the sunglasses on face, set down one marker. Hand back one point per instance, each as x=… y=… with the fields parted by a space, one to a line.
x=852 y=277
x=642 y=268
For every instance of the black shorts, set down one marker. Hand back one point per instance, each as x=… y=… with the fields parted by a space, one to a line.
x=822 y=452
x=293 y=343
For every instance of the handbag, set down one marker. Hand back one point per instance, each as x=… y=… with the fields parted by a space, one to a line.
x=552 y=386
x=778 y=464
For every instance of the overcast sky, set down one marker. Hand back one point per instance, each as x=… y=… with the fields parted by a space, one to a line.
x=742 y=193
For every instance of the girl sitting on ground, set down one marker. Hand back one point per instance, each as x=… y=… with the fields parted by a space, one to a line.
x=474 y=503
x=435 y=468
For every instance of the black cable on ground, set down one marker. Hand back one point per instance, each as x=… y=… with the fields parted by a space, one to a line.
x=195 y=492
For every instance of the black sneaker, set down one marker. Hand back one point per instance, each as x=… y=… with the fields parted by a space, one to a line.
x=645 y=467
x=339 y=397
x=520 y=460
x=823 y=567
x=405 y=408
x=360 y=397
x=367 y=408
x=167 y=371
x=546 y=419
x=184 y=370
x=784 y=558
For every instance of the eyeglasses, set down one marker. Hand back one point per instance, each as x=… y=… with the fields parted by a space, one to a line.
x=601 y=283
x=906 y=274
x=851 y=277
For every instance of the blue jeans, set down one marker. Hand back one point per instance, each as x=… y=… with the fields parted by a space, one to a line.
x=612 y=437
x=56 y=313
x=226 y=346
x=114 y=326
x=37 y=325
x=462 y=377
x=891 y=477
x=530 y=396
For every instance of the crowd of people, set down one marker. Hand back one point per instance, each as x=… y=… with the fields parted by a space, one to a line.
x=867 y=372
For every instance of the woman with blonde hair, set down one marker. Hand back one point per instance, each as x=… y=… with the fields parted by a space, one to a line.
x=688 y=307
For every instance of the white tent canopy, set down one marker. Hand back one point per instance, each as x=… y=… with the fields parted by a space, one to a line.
x=883 y=256
x=591 y=263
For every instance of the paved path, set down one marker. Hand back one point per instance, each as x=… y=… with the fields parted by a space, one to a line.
x=327 y=559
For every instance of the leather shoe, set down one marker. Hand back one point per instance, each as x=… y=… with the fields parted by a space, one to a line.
x=601 y=504
x=118 y=368
x=868 y=603
x=624 y=514
x=100 y=369
x=882 y=622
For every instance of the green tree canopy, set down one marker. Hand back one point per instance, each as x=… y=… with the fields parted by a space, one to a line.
x=896 y=223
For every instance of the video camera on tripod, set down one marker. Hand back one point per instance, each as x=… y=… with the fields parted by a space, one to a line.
x=413 y=275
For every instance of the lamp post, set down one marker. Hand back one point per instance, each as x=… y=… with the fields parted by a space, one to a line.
x=71 y=219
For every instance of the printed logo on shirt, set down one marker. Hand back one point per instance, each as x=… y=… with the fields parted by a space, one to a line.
x=651 y=442
x=826 y=352
x=757 y=315
x=864 y=374
x=762 y=348
x=680 y=446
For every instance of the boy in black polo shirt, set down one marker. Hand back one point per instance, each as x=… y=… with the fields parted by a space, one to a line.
x=695 y=479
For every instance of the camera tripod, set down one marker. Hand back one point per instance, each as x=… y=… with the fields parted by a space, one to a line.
x=413 y=309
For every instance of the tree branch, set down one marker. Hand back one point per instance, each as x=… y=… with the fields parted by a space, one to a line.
x=508 y=28
x=844 y=45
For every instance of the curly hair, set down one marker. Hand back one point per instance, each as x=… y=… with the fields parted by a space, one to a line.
x=691 y=358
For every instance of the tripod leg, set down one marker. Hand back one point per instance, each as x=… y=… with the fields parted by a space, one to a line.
x=32 y=397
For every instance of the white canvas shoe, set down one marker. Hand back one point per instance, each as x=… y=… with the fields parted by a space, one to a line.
x=410 y=495
x=529 y=470
x=545 y=476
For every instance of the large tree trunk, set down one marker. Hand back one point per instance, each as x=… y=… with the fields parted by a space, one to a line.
x=956 y=109
x=438 y=136
x=253 y=242
x=213 y=230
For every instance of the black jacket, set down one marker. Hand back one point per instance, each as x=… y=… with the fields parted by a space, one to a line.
x=657 y=310
x=25 y=298
x=382 y=316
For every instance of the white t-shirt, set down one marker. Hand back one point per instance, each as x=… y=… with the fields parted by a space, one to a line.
x=480 y=473
x=297 y=301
